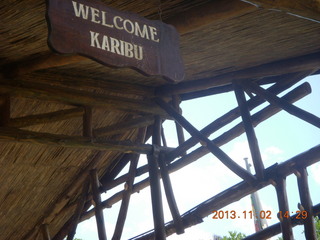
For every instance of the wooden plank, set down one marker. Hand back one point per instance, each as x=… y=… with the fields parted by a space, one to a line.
x=184 y=161
x=224 y=158
x=251 y=136
x=309 y=227
x=285 y=222
x=98 y=208
x=17 y=135
x=4 y=110
x=234 y=114
x=79 y=209
x=238 y=191
x=291 y=65
x=124 y=126
x=155 y=189
x=77 y=97
x=307 y=9
x=170 y=195
x=125 y=199
x=273 y=99
x=46 y=117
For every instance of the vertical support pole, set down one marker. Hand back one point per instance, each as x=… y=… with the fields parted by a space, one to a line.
x=158 y=218
x=87 y=122
x=180 y=134
x=4 y=110
x=79 y=209
x=248 y=126
x=309 y=227
x=285 y=222
x=45 y=232
x=170 y=196
x=98 y=208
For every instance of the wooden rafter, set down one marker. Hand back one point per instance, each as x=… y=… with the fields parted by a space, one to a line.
x=4 y=110
x=273 y=99
x=46 y=117
x=308 y=9
x=251 y=136
x=240 y=190
x=224 y=158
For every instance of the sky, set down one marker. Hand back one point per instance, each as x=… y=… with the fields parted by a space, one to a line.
x=280 y=138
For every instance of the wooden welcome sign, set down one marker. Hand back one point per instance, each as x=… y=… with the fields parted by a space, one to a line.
x=114 y=38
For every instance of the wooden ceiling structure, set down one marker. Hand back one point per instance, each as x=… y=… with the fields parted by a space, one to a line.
x=69 y=125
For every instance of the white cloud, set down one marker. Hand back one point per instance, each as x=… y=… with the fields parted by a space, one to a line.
x=193 y=233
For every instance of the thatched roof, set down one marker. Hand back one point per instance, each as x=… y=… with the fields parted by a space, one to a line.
x=42 y=177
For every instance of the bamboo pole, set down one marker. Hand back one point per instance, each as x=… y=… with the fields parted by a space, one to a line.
x=309 y=228
x=292 y=65
x=170 y=195
x=156 y=199
x=238 y=191
x=284 y=211
x=46 y=117
x=98 y=208
x=251 y=136
x=273 y=99
x=214 y=149
x=259 y=117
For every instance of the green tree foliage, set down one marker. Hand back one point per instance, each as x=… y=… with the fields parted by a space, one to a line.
x=233 y=235
x=317 y=219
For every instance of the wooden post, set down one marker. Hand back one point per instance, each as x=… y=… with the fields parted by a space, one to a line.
x=309 y=228
x=222 y=156
x=251 y=136
x=4 y=110
x=176 y=104
x=45 y=232
x=273 y=99
x=284 y=212
x=79 y=209
x=170 y=196
x=98 y=208
x=126 y=199
x=155 y=189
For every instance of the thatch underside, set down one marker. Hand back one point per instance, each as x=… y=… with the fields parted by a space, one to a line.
x=41 y=183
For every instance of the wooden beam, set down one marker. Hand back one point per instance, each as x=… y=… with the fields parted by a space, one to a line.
x=156 y=199
x=46 y=117
x=170 y=195
x=4 y=110
x=126 y=199
x=238 y=191
x=87 y=122
x=273 y=99
x=124 y=126
x=77 y=97
x=309 y=228
x=284 y=211
x=176 y=104
x=45 y=232
x=307 y=9
x=224 y=158
x=17 y=135
x=98 y=208
x=291 y=65
x=234 y=114
x=184 y=161
x=79 y=209
x=251 y=136
x=276 y=228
